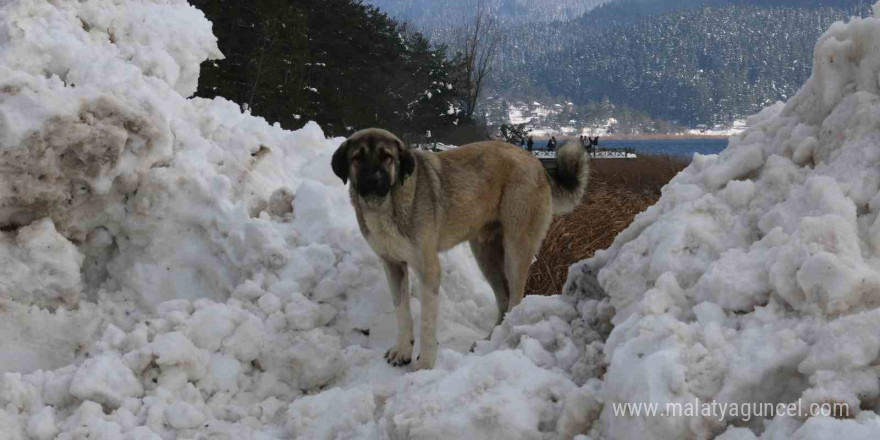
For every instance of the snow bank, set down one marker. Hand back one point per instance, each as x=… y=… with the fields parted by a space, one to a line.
x=173 y=268
x=756 y=277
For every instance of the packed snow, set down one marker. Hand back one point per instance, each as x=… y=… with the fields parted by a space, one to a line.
x=173 y=268
x=756 y=277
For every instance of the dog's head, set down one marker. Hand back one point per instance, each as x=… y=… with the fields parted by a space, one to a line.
x=375 y=160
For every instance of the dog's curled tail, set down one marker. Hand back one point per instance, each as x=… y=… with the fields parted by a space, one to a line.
x=569 y=182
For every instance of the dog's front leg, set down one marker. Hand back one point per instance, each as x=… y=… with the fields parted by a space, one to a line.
x=429 y=273
x=398 y=283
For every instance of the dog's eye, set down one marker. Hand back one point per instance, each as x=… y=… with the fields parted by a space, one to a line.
x=356 y=157
x=384 y=156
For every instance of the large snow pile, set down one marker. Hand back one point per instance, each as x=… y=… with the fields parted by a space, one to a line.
x=756 y=277
x=173 y=268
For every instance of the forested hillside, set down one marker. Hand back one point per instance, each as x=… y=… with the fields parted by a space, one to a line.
x=687 y=61
x=627 y=10
x=693 y=66
x=431 y=14
x=347 y=64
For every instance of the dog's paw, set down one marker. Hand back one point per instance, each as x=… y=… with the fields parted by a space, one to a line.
x=425 y=362
x=397 y=357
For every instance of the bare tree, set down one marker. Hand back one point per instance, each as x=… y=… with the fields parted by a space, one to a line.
x=478 y=42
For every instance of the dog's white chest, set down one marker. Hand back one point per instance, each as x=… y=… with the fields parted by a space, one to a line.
x=385 y=238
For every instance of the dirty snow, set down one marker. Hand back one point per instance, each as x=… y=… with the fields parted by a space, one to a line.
x=173 y=268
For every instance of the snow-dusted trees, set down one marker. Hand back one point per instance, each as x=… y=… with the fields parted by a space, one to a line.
x=478 y=41
x=703 y=65
x=341 y=63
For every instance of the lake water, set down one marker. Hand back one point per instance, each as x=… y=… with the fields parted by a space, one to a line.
x=671 y=147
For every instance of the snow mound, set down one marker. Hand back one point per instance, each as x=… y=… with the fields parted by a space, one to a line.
x=756 y=277
x=171 y=267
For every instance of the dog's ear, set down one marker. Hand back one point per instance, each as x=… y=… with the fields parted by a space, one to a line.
x=407 y=161
x=340 y=162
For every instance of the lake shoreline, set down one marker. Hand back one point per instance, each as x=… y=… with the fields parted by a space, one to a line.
x=642 y=137
x=663 y=146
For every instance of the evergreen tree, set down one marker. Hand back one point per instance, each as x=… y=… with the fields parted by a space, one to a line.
x=341 y=63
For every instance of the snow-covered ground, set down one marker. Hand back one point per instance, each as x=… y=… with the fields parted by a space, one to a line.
x=541 y=120
x=172 y=268
x=738 y=126
x=756 y=277
x=538 y=117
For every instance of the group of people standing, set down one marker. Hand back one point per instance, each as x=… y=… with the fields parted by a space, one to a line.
x=589 y=143
x=551 y=144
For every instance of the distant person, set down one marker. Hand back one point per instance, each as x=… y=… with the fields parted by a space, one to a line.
x=551 y=145
x=594 y=144
x=530 y=144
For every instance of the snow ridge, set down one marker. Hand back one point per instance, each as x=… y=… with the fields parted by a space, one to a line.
x=171 y=267
x=756 y=276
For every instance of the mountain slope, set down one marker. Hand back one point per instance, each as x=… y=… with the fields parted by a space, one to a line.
x=626 y=10
x=428 y=14
x=688 y=61
x=706 y=65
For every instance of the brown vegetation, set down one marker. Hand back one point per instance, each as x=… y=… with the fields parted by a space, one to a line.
x=618 y=190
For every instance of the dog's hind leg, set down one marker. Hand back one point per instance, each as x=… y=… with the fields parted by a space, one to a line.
x=490 y=257
x=398 y=283
x=516 y=269
x=524 y=227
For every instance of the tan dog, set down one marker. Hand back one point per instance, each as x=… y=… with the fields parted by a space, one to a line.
x=412 y=205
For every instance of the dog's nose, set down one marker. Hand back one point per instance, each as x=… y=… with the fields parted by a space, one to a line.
x=374 y=179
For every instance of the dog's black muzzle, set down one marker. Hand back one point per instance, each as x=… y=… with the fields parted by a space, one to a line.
x=374 y=183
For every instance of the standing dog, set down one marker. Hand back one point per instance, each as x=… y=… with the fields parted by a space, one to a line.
x=412 y=205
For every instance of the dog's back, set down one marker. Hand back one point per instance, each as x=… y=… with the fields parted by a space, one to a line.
x=490 y=160
x=474 y=180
